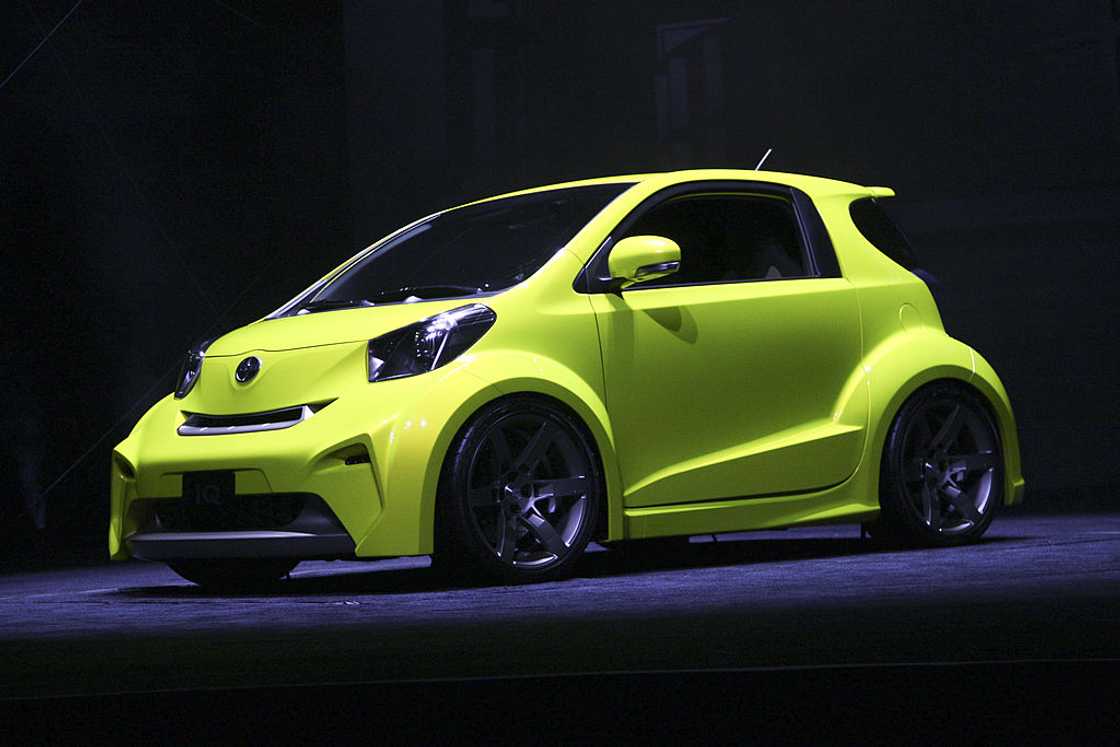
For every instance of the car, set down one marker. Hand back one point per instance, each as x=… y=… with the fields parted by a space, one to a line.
x=612 y=360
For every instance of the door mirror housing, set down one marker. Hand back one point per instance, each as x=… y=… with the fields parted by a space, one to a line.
x=639 y=258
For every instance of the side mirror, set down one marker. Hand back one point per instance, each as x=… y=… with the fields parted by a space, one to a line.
x=639 y=258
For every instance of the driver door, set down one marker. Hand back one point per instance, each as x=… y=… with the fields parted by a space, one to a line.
x=723 y=378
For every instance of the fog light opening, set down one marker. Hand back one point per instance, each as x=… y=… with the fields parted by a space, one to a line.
x=123 y=467
x=351 y=455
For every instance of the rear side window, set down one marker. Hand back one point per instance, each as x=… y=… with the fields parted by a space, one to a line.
x=877 y=227
x=727 y=238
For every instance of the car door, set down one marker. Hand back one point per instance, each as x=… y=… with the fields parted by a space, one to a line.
x=724 y=379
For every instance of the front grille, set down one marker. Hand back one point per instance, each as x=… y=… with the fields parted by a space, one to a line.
x=230 y=513
x=198 y=420
x=199 y=424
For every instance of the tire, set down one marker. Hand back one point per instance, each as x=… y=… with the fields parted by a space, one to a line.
x=233 y=575
x=941 y=478
x=520 y=495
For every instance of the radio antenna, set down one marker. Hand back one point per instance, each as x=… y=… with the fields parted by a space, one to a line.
x=763 y=159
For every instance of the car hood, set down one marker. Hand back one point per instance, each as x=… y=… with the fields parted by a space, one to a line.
x=326 y=327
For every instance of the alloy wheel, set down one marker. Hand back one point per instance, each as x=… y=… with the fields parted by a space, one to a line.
x=529 y=481
x=950 y=460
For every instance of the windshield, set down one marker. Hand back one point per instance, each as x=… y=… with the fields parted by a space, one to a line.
x=470 y=250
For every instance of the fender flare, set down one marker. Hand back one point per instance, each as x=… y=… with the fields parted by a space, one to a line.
x=901 y=358
x=538 y=376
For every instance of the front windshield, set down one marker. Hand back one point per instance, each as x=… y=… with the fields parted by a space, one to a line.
x=470 y=250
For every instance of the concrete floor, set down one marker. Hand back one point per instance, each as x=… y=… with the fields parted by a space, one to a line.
x=1037 y=588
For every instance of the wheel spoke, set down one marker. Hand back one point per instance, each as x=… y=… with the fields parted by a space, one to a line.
x=931 y=509
x=962 y=501
x=545 y=533
x=534 y=451
x=507 y=537
x=949 y=431
x=980 y=462
x=561 y=486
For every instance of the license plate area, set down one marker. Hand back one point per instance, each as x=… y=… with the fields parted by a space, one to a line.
x=208 y=488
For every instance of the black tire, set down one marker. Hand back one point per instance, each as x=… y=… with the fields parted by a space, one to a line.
x=941 y=478
x=520 y=494
x=234 y=574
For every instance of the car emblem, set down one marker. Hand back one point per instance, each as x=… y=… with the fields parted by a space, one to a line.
x=247 y=369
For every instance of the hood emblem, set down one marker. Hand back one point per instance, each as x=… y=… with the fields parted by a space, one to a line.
x=247 y=369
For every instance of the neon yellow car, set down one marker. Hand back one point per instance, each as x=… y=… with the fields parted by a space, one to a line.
x=616 y=359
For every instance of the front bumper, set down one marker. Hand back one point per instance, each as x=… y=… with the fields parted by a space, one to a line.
x=315 y=533
x=372 y=456
x=255 y=544
x=324 y=456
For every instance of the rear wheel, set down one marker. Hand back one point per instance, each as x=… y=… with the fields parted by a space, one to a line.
x=233 y=575
x=942 y=469
x=520 y=494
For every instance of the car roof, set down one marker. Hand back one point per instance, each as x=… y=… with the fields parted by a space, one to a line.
x=814 y=186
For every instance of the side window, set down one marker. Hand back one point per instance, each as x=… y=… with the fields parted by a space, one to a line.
x=877 y=227
x=727 y=237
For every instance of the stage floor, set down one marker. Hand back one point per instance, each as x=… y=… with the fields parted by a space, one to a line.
x=1039 y=588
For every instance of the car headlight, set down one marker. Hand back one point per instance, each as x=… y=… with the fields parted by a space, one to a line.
x=192 y=367
x=429 y=343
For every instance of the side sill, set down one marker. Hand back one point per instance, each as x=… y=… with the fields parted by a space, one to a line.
x=836 y=504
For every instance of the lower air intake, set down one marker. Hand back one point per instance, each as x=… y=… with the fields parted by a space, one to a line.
x=231 y=513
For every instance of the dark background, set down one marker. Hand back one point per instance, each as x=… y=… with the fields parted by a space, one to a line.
x=172 y=170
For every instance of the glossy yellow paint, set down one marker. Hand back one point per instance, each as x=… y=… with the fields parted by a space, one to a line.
x=715 y=408
x=774 y=358
x=640 y=258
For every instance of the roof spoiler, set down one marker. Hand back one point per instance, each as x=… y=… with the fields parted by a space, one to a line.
x=881 y=191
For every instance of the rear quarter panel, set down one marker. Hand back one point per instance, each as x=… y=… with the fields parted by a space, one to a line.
x=905 y=344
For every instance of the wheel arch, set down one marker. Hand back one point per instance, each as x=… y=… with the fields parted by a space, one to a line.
x=604 y=518
x=988 y=384
x=576 y=397
x=903 y=367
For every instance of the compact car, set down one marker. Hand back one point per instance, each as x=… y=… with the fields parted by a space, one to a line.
x=614 y=360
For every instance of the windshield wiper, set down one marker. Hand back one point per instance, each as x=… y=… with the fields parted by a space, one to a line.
x=327 y=304
x=427 y=292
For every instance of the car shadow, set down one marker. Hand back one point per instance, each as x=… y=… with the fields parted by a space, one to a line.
x=596 y=564
x=744 y=551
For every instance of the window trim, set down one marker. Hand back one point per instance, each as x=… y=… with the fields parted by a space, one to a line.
x=594 y=277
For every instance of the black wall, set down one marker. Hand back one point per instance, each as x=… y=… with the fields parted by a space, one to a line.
x=167 y=171
x=171 y=171
x=997 y=123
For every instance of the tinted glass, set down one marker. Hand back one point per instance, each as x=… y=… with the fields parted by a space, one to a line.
x=727 y=238
x=478 y=248
x=877 y=227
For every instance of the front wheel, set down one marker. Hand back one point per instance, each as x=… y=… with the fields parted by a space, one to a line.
x=233 y=575
x=942 y=471
x=520 y=495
